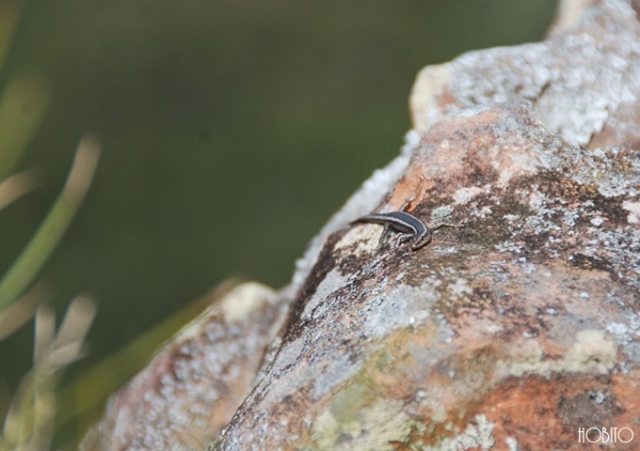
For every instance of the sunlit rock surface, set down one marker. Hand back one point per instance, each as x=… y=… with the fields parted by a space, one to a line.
x=522 y=322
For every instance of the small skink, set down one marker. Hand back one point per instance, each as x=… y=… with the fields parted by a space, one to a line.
x=403 y=222
x=400 y=221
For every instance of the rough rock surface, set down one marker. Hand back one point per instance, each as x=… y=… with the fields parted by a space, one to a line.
x=518 y=330
x=523 y=322
x=197 y=381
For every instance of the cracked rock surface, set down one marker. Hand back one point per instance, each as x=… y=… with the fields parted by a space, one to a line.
x=512 y=331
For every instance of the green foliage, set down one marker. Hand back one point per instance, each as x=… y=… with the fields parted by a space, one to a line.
x=30 y=417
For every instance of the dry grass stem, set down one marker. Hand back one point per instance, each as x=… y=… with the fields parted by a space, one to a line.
x=16 y=186
x=29 y=422
x=23 y=309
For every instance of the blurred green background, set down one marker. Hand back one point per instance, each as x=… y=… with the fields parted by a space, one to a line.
x=231 y=131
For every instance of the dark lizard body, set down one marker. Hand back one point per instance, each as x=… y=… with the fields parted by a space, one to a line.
x=400 y=221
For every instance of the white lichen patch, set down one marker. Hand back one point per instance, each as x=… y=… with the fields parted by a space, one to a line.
x=464 y=195
x=326 y=431
x=400 y=308
x=367 y=236
x=317 y=305
x=592 y=350
x=245 y=300
x=634 y=211
x=439 y=214
x=605 y=172
x=512 y=443
x=536 y=199
x=520 y=163
x=372 y=428
x=460 y=287
x=620 y=332
x=524 y=357
x=478 y=436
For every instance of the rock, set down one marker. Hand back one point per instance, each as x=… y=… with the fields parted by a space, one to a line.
x=517 y=330
x=583 y=81
x=521 y=327
x=195 y=383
